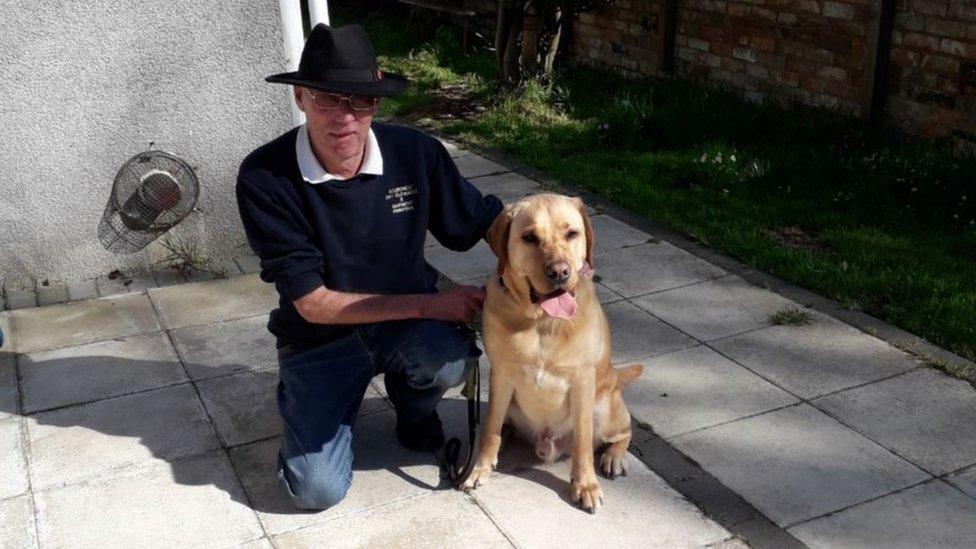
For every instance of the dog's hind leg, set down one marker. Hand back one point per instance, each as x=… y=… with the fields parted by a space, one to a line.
x=613 y=429
x=612 y=460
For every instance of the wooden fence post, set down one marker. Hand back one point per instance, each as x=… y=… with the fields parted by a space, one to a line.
x=666 y=27
x=875 y=91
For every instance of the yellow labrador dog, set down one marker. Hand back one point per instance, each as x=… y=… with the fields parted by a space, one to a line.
x=549 y=346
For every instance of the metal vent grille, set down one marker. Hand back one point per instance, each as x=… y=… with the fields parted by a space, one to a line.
x=153 y=191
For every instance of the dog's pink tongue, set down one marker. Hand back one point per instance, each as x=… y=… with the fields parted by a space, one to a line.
x=560 y=306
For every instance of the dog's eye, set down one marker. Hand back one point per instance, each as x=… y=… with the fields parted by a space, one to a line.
x=530 y=238
x=572 y=234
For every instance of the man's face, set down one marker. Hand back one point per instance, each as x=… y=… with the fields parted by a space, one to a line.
x=342 y=130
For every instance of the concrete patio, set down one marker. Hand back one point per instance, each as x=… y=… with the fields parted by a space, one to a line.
x=146 y=418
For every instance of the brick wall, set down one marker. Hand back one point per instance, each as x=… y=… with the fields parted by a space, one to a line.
x=933 y=47
x=816 y=52
x=625 y=37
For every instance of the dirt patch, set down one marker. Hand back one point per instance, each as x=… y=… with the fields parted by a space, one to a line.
x=449 y=104
x=795 y=238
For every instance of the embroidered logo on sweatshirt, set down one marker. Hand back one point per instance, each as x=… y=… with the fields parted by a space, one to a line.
x=401 y=198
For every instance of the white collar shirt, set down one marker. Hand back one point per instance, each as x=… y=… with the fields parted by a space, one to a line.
x=314 y=173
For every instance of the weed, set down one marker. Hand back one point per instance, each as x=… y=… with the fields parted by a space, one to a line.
x=791 y=316
x=185 y=257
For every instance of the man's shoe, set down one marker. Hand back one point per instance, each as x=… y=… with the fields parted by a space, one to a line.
x=425 y=435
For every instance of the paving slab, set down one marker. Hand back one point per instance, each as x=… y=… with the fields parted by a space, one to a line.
x=262 y=543
x=817 y=358
x=214 y=300
x=529 y=501
x=444 y=519
x=508 y=187
x=124 y=284
x=243 y=406
x=13 y=462
x=8 y=386
x=651 y=268
x=73 y=324
x=168 y=277
x=226 y=347
x=17 y=523
x=924 y=416
x=51 y=379
x=20 y=299
x=930 y=515
x=716 y=308
x=605 y=295
x=82 y=289
x=249 y=264
x=453 y=149
x=472 y=165
x=76 y=443
x=474 y=263
x=965 y=480
x=196 y=500
x=635 y=334
x=697 y=388
x=53 y=293
x=797 y=463
x=731 y=543
x=216 y=271
x=612 y=234
x=383 y=473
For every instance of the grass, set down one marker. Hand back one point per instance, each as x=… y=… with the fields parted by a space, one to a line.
x=790 y=316
x=879 y=222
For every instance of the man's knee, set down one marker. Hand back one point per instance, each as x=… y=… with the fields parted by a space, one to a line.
x=441 y=354
x=317 y=491
x=454 y=373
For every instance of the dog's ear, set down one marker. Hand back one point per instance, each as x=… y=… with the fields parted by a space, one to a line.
x=588 y=231
x=497 y=236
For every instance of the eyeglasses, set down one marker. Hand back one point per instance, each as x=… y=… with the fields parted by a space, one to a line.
x=332 y=101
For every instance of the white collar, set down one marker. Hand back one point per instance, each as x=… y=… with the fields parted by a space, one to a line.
x=312 y=170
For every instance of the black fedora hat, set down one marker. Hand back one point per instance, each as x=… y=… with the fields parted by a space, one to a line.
x=341 y=60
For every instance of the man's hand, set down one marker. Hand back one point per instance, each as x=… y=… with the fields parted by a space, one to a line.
x=455 y=304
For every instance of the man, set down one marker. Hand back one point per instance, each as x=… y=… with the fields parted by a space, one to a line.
x=338 y=210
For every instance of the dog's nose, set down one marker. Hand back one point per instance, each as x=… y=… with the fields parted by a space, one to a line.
x=558 y=272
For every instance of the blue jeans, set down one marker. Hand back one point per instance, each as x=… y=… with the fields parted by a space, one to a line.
x=321 y=388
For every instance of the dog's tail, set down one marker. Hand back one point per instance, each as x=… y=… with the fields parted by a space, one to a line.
x=627 y=374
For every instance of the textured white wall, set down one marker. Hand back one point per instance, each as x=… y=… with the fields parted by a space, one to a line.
x=86 y=84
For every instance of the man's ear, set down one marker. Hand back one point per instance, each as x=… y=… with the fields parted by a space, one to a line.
x=498 y=236
x=298 y=97
x=588 y=232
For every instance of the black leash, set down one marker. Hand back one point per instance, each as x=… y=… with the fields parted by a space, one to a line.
x=452 y=450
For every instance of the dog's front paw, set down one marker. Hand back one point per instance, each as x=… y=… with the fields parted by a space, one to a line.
x=478 y=476
x=612 y=462
x=587 y=494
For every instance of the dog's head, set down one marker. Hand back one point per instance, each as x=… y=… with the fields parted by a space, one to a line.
x=543 y=243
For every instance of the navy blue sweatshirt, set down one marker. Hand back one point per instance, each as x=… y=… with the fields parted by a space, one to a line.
x=364 y=234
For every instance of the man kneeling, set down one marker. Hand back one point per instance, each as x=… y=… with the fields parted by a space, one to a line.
x=337 y=210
